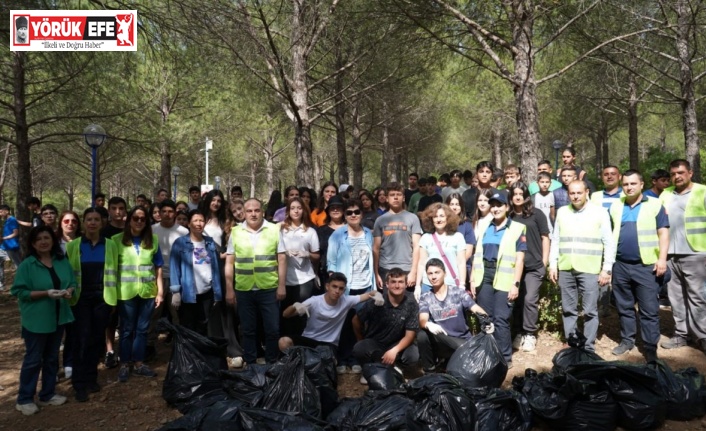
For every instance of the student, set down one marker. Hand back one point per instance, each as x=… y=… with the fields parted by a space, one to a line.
x=660 y=181
x=561 y=195
x=455 y=186
x=387 y=334
x=117 y=208
x=411 y=186
x=431 y=196
x=325 y=314
x=413 y=202
x=543 y=200
x=33 y=204
x=442 y=317
x=10 y=247
x=161 y=195
x=236 y=192
x=512 y=174
x=99 y=199
x=396 y=238
x=484 y=173
x=544 y=166
x=194 y=197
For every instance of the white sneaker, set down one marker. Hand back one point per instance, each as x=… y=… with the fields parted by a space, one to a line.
x=341 y=369
x=68 y=372
x=518 y=341
x=530 y=343
x=236 y=362
x=27 y=409
x=356 y=369
x=56 y=400
x=363 y=381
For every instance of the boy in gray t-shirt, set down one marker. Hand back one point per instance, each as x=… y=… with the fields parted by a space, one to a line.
x=544 y=199
x=396 y=238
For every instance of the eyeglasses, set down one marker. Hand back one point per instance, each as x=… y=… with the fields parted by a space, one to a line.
x=70 y=221
x=138 y=219
x=353 y=212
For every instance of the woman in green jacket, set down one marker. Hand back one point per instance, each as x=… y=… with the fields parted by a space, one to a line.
x=44 y=284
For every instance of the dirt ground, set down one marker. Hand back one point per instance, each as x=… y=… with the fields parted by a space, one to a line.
x=138 y=404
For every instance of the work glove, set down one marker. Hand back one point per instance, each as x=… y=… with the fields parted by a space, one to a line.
x=435 y=329
x=301 y=309
x=378 y=298
x=176 y=300
x=486 y=325
x=55 y=293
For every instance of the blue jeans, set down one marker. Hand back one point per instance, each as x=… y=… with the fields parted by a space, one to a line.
x=249 y=304
x=42 y=354
x=135 y=316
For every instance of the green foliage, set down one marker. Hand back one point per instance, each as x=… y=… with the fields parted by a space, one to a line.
x=550 y=315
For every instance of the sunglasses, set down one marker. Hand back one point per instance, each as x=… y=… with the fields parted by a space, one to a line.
x=353 y=212
x=138 y=219
x=70 y=221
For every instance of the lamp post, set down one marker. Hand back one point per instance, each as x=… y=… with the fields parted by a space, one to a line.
x=557 y=144
x=175 y=173
x=94 y=135
x=209 y=147
x=217 y=179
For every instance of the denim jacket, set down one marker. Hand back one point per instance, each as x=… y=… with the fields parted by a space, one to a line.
x=181 y=269
x=340 y=256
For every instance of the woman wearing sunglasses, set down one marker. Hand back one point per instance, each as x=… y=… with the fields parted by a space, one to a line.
x=69 y=228
x=350 y=251
x=139 y=290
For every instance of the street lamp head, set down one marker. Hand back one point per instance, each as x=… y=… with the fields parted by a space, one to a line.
x=557 y=145
x=94 y=135
x=176 y=171
x=209 y=144
x=217 y=179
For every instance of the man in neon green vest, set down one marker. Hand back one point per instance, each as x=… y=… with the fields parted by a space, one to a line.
x=581 y=239
x=641 y=232
x=260 y=274
x=685 y=203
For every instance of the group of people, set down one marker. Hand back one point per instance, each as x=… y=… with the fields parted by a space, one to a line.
x=389 y=276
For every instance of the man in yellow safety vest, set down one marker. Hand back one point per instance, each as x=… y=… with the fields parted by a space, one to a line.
x=260 y=274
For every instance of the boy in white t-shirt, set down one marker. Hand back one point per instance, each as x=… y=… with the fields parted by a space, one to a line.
x=544 y=199
x=326 y=314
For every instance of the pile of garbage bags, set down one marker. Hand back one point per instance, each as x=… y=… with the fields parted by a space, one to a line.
x=299 y=392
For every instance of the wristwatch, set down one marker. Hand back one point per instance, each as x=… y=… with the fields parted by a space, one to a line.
x=517 y=284
x=609 y=272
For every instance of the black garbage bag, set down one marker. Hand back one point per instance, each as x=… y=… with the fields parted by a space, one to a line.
x=382 y=377
x=221 y=416
x=193 y=367
x=443 y=409
x=292 y=390
x=683 y=391
x=376 y=411
x=270 y=420
x=320 y=367
x=420 y=388
x=590 y=406
x=641 y=404
x=478 y=362
x=576 y=353
x=542 y=393
x=248 y=385
x=504 y=410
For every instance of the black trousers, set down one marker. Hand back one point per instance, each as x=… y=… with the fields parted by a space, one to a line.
x=92 y=315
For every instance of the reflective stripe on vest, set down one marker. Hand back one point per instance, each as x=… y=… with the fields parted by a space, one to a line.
x=580 y=246
x=694 y=214
x=507 y=253
x=110 y=295
x=255 y=267
x=136 y=272
x=647 y=238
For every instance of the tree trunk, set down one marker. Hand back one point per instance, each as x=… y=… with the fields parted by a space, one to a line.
x=527 y=111
x=357 y=150
x=269 y=150
x=633 y=146
x=340 y=114
x=598 y=145
x=496 y=142
x=663 y=137
x=688 y=102
x=318 y=174
x=385 y=159
x=253 y=178
x=605 y=151
x=24 y=165
x=300 y=97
